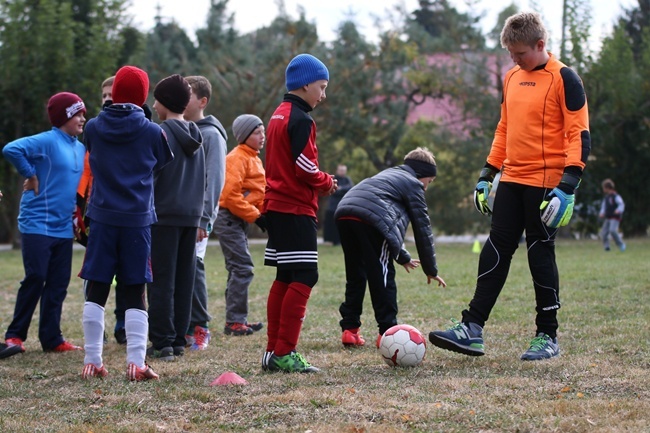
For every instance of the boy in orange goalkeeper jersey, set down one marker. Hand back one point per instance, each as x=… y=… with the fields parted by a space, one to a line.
x=540 y=147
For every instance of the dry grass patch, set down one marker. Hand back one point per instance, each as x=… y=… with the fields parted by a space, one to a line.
x=599 y=384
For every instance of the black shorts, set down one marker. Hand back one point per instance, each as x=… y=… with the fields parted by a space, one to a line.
x=292 y=241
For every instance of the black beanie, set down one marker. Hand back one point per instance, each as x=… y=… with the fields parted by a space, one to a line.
x=173 y=92
x=421 y=168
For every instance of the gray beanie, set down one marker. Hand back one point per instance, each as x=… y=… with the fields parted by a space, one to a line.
x=244 y=125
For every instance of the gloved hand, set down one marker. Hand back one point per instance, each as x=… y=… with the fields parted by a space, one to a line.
x=482 y=191
x=557 y=207
x=147 y=111
x=261 y=222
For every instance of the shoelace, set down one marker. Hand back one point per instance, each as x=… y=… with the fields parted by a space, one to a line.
x=457 y=325
x=538 y=343
x=200 y=336
x=301 y=359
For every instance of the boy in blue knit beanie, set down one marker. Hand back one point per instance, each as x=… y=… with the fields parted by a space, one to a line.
x=293 y=184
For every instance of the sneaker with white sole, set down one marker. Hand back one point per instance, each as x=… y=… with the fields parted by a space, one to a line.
x=461 y=338
x=541 y=347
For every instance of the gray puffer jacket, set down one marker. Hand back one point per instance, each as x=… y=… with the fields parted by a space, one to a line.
x=388 y=201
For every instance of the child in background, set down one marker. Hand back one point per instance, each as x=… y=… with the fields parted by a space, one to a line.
x=611 y=211
x=240 y=204
x=293 y=184
x=372 y=219
x=179 y=192
x=125 y=150
x=52 y=163
x=214 y=146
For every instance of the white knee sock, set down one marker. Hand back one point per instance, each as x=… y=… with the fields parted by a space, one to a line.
x=93 y=325
x=137 y=330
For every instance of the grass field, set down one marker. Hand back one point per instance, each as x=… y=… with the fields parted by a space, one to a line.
x=600 y=383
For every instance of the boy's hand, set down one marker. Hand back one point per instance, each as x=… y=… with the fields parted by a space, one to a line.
x=334 y=187
x=439 y=279
x=261 y=223
x=31 y=184
x=201 y=234
x=414 y=263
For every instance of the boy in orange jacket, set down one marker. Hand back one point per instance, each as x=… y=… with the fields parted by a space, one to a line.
x=239 y=205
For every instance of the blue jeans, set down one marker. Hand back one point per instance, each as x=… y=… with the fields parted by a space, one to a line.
x=48 y=264
x=610 y=227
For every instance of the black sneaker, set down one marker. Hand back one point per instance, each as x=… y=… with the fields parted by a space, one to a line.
x=163 y=354
x=9 y=350
x=179 y=350
x=237 y=329
x=255 y=326
x=265 y=360
x=120 y=336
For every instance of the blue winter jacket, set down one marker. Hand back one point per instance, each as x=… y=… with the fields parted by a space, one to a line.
x=57 y=160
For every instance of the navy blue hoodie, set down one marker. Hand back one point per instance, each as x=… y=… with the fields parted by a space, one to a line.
x=126 y=149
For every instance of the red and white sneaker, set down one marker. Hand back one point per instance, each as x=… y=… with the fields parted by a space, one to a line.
x=90 y=370
x=201 y=338
x=351 y=337
x=133 y=372
x=65 y=347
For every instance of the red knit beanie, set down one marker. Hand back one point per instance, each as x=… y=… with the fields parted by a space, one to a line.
x=63 y=107
x=131 y=85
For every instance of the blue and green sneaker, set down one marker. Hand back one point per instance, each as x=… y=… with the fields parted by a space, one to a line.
x=462 y=338
x=541 y=347
x=291 y=363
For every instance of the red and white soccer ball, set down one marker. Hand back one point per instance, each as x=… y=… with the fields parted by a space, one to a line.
x=402 y=346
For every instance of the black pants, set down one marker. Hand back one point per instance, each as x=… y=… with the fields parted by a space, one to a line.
x=173 y=262
x=367 y=259
x=516 y=208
